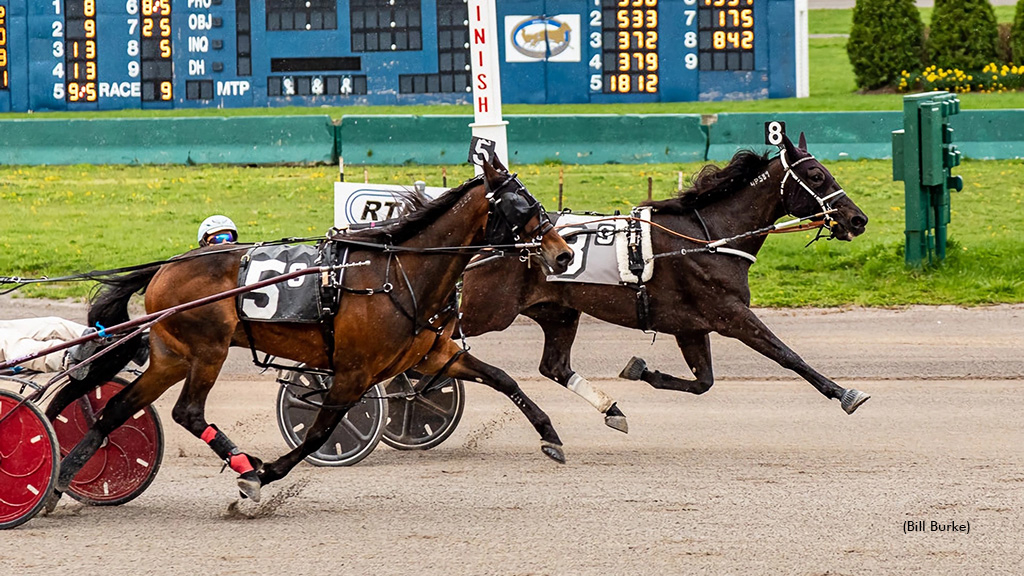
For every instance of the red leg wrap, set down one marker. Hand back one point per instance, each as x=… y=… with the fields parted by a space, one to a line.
x=209 y=434
x=240 y=463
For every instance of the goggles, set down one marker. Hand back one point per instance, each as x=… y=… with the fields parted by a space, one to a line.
x=221 y=238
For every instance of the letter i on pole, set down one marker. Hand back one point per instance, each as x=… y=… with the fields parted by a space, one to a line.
x=486 y=81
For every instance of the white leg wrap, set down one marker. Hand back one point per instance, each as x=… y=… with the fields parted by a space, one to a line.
x=597 y=398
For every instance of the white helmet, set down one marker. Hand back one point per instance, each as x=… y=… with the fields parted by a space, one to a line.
x=213 y=225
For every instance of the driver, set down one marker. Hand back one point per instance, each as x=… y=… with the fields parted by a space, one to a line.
x=217 y=229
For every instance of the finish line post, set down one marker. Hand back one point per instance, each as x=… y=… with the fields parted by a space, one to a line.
x=483 y=37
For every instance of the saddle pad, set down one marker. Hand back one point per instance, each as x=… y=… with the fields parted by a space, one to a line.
x=297 y=300
x=600 y=256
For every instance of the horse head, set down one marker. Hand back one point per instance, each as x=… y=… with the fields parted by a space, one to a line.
x=516 y=216
x=808 y=188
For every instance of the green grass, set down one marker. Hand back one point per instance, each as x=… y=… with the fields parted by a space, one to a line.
x=62 y=220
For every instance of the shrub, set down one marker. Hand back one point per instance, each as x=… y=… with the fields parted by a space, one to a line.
x=886 y=38
x=1017 y=34
x=963 y=34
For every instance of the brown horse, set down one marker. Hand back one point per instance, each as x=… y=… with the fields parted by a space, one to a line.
x=393 y=316
x=690 y=295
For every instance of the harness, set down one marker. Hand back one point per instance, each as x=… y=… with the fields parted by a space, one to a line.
x=508 y=212
x=822 y=200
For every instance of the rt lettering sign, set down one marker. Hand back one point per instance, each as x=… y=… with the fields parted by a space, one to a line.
x=361 y=203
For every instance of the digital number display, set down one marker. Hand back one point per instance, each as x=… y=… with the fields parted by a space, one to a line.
x=629 y=55
x=155 y=28
x=81 y=68
x=4 y=76
x=726 y=29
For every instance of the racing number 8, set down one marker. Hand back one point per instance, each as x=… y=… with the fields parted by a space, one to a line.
x=773 y=132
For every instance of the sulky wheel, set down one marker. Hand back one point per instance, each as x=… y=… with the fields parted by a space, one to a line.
x=28 y=460
x=127 y=461
x=418 y=419
x=357 y=434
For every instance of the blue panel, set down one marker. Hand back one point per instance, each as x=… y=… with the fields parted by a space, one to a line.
x=45 y=32
x=781 y=17
x=679 y=75
x=15 y=96
x=521 y=82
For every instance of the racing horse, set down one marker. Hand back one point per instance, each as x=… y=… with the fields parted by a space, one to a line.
x=393 y=315
x=690 y=295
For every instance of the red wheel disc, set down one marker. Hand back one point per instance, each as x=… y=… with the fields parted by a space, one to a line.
x=28 y=460
x=128 y=460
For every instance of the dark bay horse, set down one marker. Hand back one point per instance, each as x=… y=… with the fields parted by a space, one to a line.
x=393 y=316
x=690 y=295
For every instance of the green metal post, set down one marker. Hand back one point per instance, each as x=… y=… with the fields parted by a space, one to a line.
x=922 y=156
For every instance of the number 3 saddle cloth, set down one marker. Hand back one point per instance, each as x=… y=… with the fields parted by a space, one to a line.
x=607 y=249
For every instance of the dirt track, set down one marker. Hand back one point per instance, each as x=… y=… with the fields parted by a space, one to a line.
x=759 y=476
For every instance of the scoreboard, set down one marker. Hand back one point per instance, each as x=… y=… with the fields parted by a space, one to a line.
x=118 y=54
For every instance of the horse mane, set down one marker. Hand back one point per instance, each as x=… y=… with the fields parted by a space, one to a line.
x=419 y=212
x=713 y=183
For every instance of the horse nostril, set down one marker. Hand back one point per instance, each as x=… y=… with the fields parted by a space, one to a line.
x=564 y=258
x=859 y=222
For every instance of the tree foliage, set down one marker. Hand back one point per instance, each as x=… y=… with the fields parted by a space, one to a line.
x=964 y=34
x=886 y=38
x=1017 y=35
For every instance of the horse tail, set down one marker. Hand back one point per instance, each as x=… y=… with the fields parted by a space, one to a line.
x=110 y=307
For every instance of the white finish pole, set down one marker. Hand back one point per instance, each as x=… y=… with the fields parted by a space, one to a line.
x=803 y=82
x=483 y=38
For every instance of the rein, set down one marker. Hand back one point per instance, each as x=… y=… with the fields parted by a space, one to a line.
x=816 y=221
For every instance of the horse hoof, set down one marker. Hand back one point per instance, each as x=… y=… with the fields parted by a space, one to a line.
x=553 y=451
x=249 y=486
x=852 y=399
x=614 y=418
x=634 y=369
x=617 y=422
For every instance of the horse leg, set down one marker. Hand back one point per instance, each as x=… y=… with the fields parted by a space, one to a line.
x=344 y=393
x=696 y=349
x=559 y=325
x=190 y=412
x=134 y=397
x=467 y=367
x=749 y=329
x=67 y=394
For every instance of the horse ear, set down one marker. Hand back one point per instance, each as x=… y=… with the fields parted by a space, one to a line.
x=496 y=162
x=787 y=144
x=803 y=142
x=493 y=177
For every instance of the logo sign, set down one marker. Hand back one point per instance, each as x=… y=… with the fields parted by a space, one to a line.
x=361 y=203
x=542 y=38
x=481 y=150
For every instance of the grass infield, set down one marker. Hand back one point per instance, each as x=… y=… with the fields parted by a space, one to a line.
x=60 y=220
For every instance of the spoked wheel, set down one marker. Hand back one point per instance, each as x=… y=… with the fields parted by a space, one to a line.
x=126 y=463
x=357 y=434
x=28 y=460
x=420 y=420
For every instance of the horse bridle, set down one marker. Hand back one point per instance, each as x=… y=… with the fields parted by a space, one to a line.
x=510 y=209
x=823 y=201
